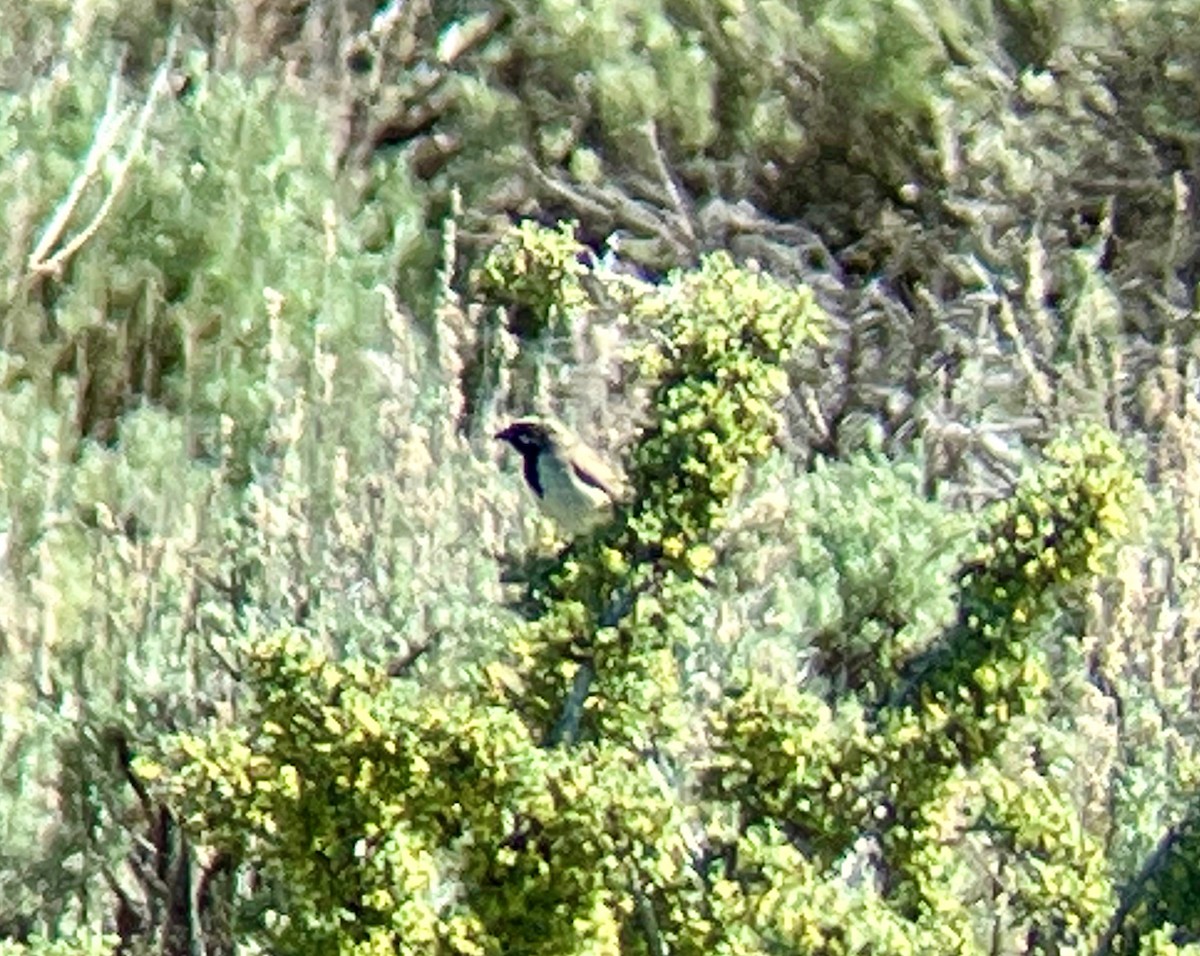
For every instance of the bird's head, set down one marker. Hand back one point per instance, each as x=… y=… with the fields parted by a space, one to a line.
x=531 y=436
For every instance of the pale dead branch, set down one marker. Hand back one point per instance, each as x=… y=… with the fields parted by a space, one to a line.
x=107 y=134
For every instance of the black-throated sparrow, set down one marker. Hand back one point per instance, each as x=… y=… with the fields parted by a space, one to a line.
x=572 y=484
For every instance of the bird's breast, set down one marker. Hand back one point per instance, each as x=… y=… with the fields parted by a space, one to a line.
x=573 y=504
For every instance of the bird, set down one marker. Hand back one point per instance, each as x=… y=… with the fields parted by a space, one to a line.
x=573 y=484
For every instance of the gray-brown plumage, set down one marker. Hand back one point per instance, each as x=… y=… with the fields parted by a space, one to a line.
x=573 y=485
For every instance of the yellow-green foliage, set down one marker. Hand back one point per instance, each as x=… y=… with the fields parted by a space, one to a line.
x=791 y=765
x=209 y=426
x=186 y=394
x=1165 y=942
x=442 y=820
x=782 y=757
x=1060 y=526
x=780 y=900
x=721 y=337
x=536 y=270
x=80 y=945
x=386 y=817
x=1166 y=889
x=422 y=824
x=715 y=344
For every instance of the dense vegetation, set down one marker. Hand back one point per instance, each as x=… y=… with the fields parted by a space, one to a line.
x=886 y=308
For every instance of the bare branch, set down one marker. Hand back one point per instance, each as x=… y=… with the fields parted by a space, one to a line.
x=1133 y=893
x=106 y=136
x=662 y=170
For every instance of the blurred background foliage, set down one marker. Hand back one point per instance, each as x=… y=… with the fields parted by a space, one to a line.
x=251 y=357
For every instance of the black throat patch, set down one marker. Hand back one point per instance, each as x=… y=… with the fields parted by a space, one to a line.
x=530 y=459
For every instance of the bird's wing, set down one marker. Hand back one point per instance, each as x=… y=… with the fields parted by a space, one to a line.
x=592 y=470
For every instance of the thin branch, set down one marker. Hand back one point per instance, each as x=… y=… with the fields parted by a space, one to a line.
x=104 y=141
x=101 y=146
x=1132 y=893
x=613 y=205
x=566 y=728
x=1043 y=392
x=469 y=35
x=401 y=664
x=662 y=169
x=647 y=920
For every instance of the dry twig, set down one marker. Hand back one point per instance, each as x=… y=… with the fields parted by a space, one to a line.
x=41 y=262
